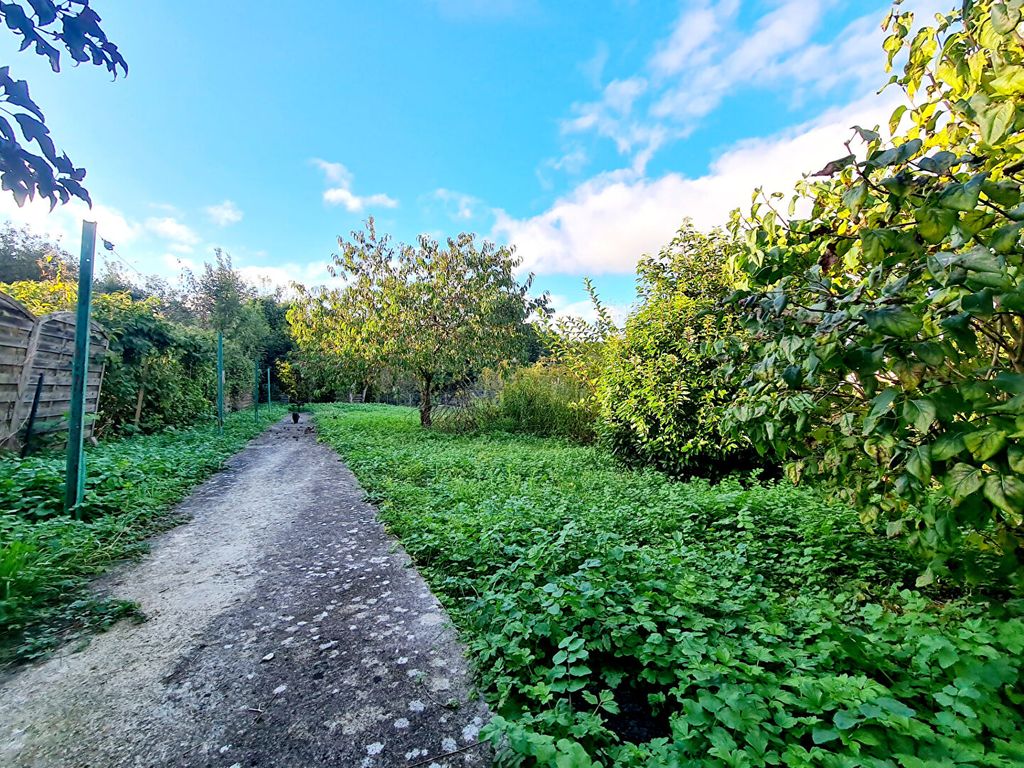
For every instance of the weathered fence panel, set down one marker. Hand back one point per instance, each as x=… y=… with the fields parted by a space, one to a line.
x=30 y=346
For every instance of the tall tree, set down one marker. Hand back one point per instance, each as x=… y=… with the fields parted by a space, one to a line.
x=75 y=26
x=25 y=255
x=218 y=295
x=439 y=313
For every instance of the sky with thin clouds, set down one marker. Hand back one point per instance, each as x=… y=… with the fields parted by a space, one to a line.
x=582 y=133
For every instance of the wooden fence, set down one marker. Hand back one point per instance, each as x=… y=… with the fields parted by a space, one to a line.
x=31 y=346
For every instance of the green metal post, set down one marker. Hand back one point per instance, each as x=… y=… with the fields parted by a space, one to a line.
x=268 y=387
x=74 y=479
x=220 y=382
x=256 y=392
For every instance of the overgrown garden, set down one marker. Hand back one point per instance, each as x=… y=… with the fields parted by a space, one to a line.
x=846 y=365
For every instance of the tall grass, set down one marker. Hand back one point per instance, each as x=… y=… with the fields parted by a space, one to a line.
x=543 y=400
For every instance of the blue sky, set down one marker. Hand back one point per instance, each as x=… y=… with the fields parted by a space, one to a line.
x=581 y=132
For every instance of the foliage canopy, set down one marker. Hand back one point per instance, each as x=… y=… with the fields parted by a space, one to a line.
x=887 y=321
x=436 y=312
x=75 y=26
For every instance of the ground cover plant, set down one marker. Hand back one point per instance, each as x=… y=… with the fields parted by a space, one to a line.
x=619 y=618
x=48 y=557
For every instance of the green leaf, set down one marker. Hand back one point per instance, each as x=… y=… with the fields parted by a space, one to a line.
x=1006 y=492
x=1005 y=239
x=1015 y=457
x=1009 y=382
x=1002 y=192
x=793 y=376
x=947 y=446
x=985 y=443
x=866 y=135
x=919 y=413
x=980 y=259
x=963 y=480
x=1004 y=19
x=893 y=321
x=880 y=405
x=854 y=197
x=844 y=720
x=934 y=223
x=962 y=197
x=995 y=120
x=571 y=754
x=938 y=163
x=929 y=352
x=824 y=735
x=1009 y=82
x=919 y=464
x=979 y=303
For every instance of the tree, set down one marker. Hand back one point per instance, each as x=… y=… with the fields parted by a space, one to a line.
x=25 y=255
x=217 y=297
x=888 y=323
x=75 y=26
x=662 y=389
x=438 y=313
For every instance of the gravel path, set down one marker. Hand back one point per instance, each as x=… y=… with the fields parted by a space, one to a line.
x=285 y=629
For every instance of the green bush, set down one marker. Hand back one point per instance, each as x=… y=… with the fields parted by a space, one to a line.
x=545 y=399
x=888 y=318
x=47 y=557
x=662 y=387
x=620 y=617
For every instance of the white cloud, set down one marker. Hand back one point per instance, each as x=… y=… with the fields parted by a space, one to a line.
x=64 y=223
x=585 y=310
x=270 y=277
x=224 y=214
x=690 y=41
x=593 y=68
x=459 y=206
x=606 y=223
x=171 y=229
x=340 y=192
x=709 y=54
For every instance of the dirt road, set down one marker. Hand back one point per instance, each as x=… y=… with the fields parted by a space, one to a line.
x=285 y=628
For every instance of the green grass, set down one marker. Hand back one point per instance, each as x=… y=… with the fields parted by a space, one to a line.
x=618 y=617
x=47 y=558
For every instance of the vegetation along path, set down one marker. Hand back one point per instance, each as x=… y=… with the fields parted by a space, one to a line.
x=284 y=628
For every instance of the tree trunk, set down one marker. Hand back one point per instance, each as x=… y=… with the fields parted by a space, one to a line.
x=425 y=401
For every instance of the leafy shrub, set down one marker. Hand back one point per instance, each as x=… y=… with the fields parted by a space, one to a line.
x=545 y=399
x=620 y=617
x=662 y=388
x=887 y=322
x=46 y=557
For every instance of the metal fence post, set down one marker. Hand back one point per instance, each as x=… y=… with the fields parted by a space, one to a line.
x=256 y=392
x=74 y=478
x=220 y=382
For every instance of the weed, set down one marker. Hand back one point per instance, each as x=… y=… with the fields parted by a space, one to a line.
x=620 y=617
